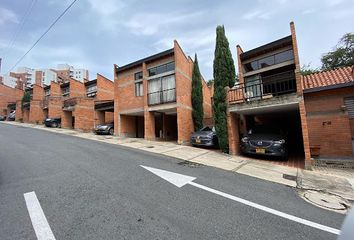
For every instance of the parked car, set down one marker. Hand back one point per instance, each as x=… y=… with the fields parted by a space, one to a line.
x=205 y=137
x=11 y=116
x=107 y=128
x=53 y=122
x=265 y=140
x=2 y=118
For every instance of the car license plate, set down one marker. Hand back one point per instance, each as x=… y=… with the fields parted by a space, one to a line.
x=197 y=140
x=260 y=150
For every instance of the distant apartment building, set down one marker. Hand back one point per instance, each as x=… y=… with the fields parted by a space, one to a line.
x=65 y=71
x=153 y=97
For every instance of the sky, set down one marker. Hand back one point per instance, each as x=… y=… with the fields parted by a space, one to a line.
x=95 y=34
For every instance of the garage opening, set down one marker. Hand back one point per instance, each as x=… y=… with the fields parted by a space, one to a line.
x=68 y=120
x=132 y=126
x=166 y=126
x=104 y=112
x=282 y=124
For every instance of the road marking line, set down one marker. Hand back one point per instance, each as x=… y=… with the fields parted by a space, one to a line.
x=39 y=221
x=268 y=210
x=179 y=180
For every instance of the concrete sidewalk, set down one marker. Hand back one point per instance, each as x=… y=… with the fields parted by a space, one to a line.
x=325 y=181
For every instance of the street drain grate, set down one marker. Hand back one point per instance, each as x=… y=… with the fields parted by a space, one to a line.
x=149 y=146
x=189 y=164
x=289 y=177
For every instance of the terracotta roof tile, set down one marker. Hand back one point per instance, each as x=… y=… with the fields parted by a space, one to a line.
x=328 y=78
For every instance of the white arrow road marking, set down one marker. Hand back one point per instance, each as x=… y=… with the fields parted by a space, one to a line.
x=180 y=180
x=39 y=221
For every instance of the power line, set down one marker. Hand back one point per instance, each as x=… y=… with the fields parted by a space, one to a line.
x=50 y=27
x=21 y=26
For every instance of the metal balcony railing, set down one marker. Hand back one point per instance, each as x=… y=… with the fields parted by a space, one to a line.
x=264 y=88
x=160 y=97
x=69 y=102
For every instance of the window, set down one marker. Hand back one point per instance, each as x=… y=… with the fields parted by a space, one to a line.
x=349 y=103
x=270 y=60
x=162 y=69
x=284 y=56
x=139 y=89
x=266 y=62
x=162 y=90
x=138 y=75
x=66 y=91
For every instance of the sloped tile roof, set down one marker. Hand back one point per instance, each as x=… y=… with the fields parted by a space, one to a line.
x=328 y=78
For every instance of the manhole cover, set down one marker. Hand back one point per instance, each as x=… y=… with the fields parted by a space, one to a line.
x=289 y=177
x=326 y=200
x=190 y=164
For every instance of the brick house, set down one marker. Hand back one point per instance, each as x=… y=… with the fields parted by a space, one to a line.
x=8 y=98
x=329 y=104
x=270 y=93
x=153 y=97
x=78 y=103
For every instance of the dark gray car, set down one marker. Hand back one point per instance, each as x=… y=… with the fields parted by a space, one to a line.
x=205 y=137
x=107 y=128
x=265 y=140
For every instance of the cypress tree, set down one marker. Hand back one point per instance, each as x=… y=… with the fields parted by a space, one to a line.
x=224 y=75
x=197 y=96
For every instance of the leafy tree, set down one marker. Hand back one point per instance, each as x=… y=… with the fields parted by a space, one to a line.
x=26 y=98
x=342 y=55
x=197 y=96
x=306 y=69
x=210 y=82
x=224 y=75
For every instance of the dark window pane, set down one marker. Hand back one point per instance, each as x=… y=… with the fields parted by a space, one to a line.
x=162 y=69
x=284 y=56
x=138 y=75
x=251 y=66
x=265 y=62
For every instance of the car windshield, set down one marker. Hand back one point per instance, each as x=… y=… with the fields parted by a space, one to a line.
x=263 y=129
x=207 y=129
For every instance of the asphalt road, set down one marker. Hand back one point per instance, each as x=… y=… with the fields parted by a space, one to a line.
x=92 y=190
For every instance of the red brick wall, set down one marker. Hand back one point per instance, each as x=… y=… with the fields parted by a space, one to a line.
x=184 y=67
x=55 y=103
x=328 y=124
x=8 y=95
x=105 y=88
x=77 y=89
x=207 y=108
x=84 y=114
x=36 y=114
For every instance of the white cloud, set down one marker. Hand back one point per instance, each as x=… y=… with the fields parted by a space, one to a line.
x=7 y=15
x=257 y=14
x=152 y=23
x=106 y=7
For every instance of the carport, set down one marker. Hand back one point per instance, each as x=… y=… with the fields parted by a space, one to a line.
x=132 y=124
x=104 y=111
x=285 y=117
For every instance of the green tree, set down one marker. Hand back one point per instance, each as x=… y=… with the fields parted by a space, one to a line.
x=342 y=55
x=197 y=96
x=26 y=98
x=224 y=75
x=306 y=69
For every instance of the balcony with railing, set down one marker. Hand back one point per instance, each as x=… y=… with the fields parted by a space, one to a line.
x=162 y=96
x=69 y=104
x=263 y=88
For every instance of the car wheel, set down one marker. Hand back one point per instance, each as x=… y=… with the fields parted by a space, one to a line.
x=111 y=131
x=54 y=125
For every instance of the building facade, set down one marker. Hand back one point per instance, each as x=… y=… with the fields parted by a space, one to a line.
x=270 y=93
x=329 y=104
x=153 y=97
